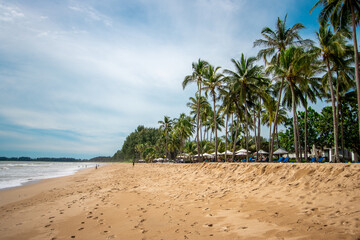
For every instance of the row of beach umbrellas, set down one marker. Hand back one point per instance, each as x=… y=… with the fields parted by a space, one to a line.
x=242 y=152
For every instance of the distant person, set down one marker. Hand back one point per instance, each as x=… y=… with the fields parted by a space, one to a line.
x=133 y=162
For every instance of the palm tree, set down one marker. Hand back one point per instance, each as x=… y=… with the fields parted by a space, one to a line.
x=292 y=63
x=269 y=115
x=280 y=39
x=183 y=129
x=166 y=127
x=274 y=43
x=311 y=89
x=227 y=108
x=213 y=82
x=197 y=76
x=339 y=12
x=204 y=109
x=244 y=83
x=331 y=46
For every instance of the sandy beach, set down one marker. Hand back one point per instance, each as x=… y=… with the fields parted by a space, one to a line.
x=180 y=201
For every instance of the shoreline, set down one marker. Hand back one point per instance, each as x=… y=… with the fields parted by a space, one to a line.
x=194 y=201
x=31 y=181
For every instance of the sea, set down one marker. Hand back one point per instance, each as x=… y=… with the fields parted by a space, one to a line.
x=17 y=173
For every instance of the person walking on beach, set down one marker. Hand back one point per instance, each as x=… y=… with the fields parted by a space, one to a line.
x=133 y=162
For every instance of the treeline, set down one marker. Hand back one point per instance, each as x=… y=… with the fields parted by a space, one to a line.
x=141 y=140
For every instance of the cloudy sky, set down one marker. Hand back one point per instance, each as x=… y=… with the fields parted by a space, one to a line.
x=76 y=77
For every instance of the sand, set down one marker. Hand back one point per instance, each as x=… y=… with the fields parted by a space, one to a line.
x=189 y=201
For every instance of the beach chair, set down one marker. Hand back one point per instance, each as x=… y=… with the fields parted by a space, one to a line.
x=244 y=160
x=286 y=160
x=313 y=159
x=266 y=160
x=321 y=160
x=280 y=160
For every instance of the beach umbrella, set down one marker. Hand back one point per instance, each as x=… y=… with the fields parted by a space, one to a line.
x=214 y=153
x=242 y=152
x=208 y=155
x=280 y=151
x=262 y=152
x=227 y=152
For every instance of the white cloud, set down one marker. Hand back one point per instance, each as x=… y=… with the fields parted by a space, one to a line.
x=87 y=70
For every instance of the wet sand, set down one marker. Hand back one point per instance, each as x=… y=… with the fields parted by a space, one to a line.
x=189 y=201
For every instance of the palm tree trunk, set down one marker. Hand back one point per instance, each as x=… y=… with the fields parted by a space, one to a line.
x=294 y=123
x=270 y=136
x=277 y=137
x=259 y=126
x=305 y=135
x=215 y=123
x=232 y=129
x=336 y=137
x=342 y=131
x=226 y=133
x=356 y=57
x=198 y=119
x=338 y=105
x=256 y=145
x=298 y=135
x=247 y=132
x=275 y=121
x=236 y=133
x=201 y=139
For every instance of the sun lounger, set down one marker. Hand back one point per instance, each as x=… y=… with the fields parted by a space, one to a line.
x=244 y=160
x=313 y=159
x=266 y=160
x=286 y=160
x=280 y=160
x=321 y=160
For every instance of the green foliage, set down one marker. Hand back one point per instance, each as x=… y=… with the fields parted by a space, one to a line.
x=142 y=135
x=321 y=129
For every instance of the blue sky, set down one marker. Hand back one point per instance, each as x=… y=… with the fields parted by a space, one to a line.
x=76 y=77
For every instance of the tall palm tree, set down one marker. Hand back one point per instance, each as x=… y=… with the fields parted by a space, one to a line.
x=204 y=110
x=292 y=63
x=197 y=77
x=311 y=89
x=269 y=115
x=183 y=128
x=166 y=128
x=228 y=109
x=244 y=83
x=339 y=13
x=213 y=81
x=331 y=46
x=274 y=42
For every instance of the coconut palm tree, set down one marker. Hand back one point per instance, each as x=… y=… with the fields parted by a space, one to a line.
x=166 y=128
x=213 y=81
x=269 y=116
x=339 y=12
x=227 y=109
x=331 y=46
x=244 y=83
x=274 y=42
x=279 y=39
x=311 y=89
x=291 y=65
x=197 y=77
x=183 y=129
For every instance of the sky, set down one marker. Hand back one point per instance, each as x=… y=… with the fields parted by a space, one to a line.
x=77 y=77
